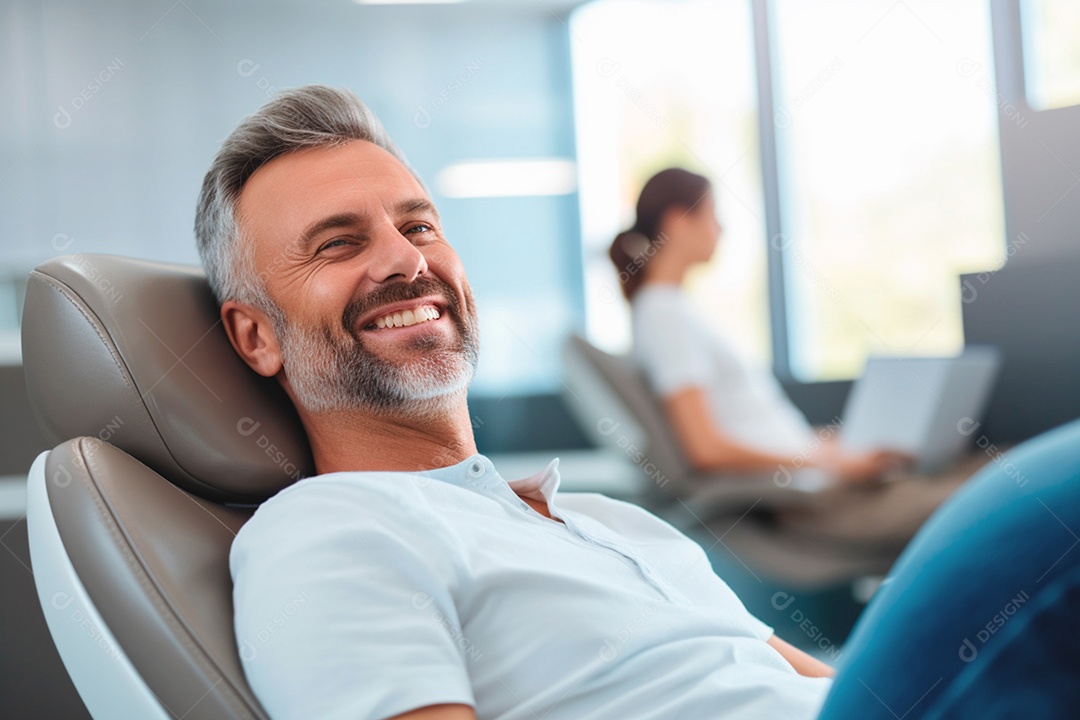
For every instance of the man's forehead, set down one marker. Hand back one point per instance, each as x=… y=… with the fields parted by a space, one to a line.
x=295 y=188
x=357 y=159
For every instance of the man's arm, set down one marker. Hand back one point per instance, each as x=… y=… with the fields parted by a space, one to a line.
x=439 y=712
x=365 y=590
x=804 y=664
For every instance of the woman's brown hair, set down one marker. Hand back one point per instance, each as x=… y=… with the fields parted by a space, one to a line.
x=631 y=249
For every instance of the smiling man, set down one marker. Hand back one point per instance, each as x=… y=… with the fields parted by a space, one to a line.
x=408 y=578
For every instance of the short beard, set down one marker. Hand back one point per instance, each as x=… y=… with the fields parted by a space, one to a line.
x=330 y=375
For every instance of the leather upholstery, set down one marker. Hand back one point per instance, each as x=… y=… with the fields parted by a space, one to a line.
x=630 y=385
x=154 y=560
x=133 y=352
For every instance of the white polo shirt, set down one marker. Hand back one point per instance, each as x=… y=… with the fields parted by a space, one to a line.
x=676 y=349
x=368 y=594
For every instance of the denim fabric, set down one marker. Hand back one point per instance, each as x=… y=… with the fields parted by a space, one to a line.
x=978 y=618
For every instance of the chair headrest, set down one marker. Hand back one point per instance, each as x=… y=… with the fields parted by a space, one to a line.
x=132 y=352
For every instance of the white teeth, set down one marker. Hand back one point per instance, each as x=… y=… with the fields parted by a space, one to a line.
x=408 y=317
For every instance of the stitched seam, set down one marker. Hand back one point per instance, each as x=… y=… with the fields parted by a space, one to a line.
x=55 y=286
x=129 y=381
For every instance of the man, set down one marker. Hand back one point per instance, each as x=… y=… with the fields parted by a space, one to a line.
x=408 y=579
x=388 y=591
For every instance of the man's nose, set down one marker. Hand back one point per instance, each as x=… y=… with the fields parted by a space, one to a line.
x=393 y=255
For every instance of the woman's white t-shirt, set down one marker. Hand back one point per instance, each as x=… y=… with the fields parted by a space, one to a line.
x=676 y=350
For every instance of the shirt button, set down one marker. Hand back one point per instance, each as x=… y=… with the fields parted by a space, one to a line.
x=476 y=469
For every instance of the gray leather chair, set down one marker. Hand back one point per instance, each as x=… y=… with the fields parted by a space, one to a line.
x=611 y=398
x=166 y=442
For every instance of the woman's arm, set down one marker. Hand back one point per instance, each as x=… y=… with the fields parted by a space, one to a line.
x=704 y=445
x=707 y=448
x=804 y=664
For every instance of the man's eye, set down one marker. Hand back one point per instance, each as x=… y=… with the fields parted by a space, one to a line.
x=416 y=229
x=334 y=243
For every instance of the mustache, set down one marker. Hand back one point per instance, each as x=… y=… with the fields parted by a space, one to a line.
x=399 y=292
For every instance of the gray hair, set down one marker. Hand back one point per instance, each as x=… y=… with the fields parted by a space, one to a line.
x=306 y=117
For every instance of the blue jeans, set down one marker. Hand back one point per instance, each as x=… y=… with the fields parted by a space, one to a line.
x=980 y=616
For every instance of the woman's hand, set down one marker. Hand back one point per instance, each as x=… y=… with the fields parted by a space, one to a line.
x=859 y=468
x=867 y=467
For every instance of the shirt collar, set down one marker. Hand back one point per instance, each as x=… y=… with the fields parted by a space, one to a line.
x=477 y=471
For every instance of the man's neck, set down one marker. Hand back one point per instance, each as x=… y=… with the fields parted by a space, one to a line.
x=357 y=440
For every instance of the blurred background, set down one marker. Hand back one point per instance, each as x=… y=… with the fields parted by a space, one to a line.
x=880 y=164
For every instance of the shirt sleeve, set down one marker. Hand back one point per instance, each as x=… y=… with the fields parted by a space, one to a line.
x=344 y=606
x=760 y=628
x=670 y=345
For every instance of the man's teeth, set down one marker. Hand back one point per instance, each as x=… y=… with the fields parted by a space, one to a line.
x=408 y=317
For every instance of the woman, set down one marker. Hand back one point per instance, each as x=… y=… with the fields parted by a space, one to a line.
x=727 y=415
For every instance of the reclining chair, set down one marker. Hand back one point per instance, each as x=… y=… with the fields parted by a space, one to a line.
x=610 y=397
x=166 y=444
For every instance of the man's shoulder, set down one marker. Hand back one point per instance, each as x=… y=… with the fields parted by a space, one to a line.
x=324 y=501
x=386 y=483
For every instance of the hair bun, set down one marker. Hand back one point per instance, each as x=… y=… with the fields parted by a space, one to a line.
x=634 y=244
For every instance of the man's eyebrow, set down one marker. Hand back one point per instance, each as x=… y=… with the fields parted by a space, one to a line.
x=318 y=227
x=352 y=219
x=418 y=204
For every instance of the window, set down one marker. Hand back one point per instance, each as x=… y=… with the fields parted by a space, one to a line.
x=1051 y=53
x=889 y=175
x=890 y=182
x=659 y=84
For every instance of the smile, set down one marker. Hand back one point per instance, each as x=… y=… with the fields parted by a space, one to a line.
x=405 y=318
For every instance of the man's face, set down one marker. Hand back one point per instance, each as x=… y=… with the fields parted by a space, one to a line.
x=343 y=239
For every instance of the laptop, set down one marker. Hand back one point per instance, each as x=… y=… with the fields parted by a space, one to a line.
x=928 y=407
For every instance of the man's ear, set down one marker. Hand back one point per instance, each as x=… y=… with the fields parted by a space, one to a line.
x=252 y=336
